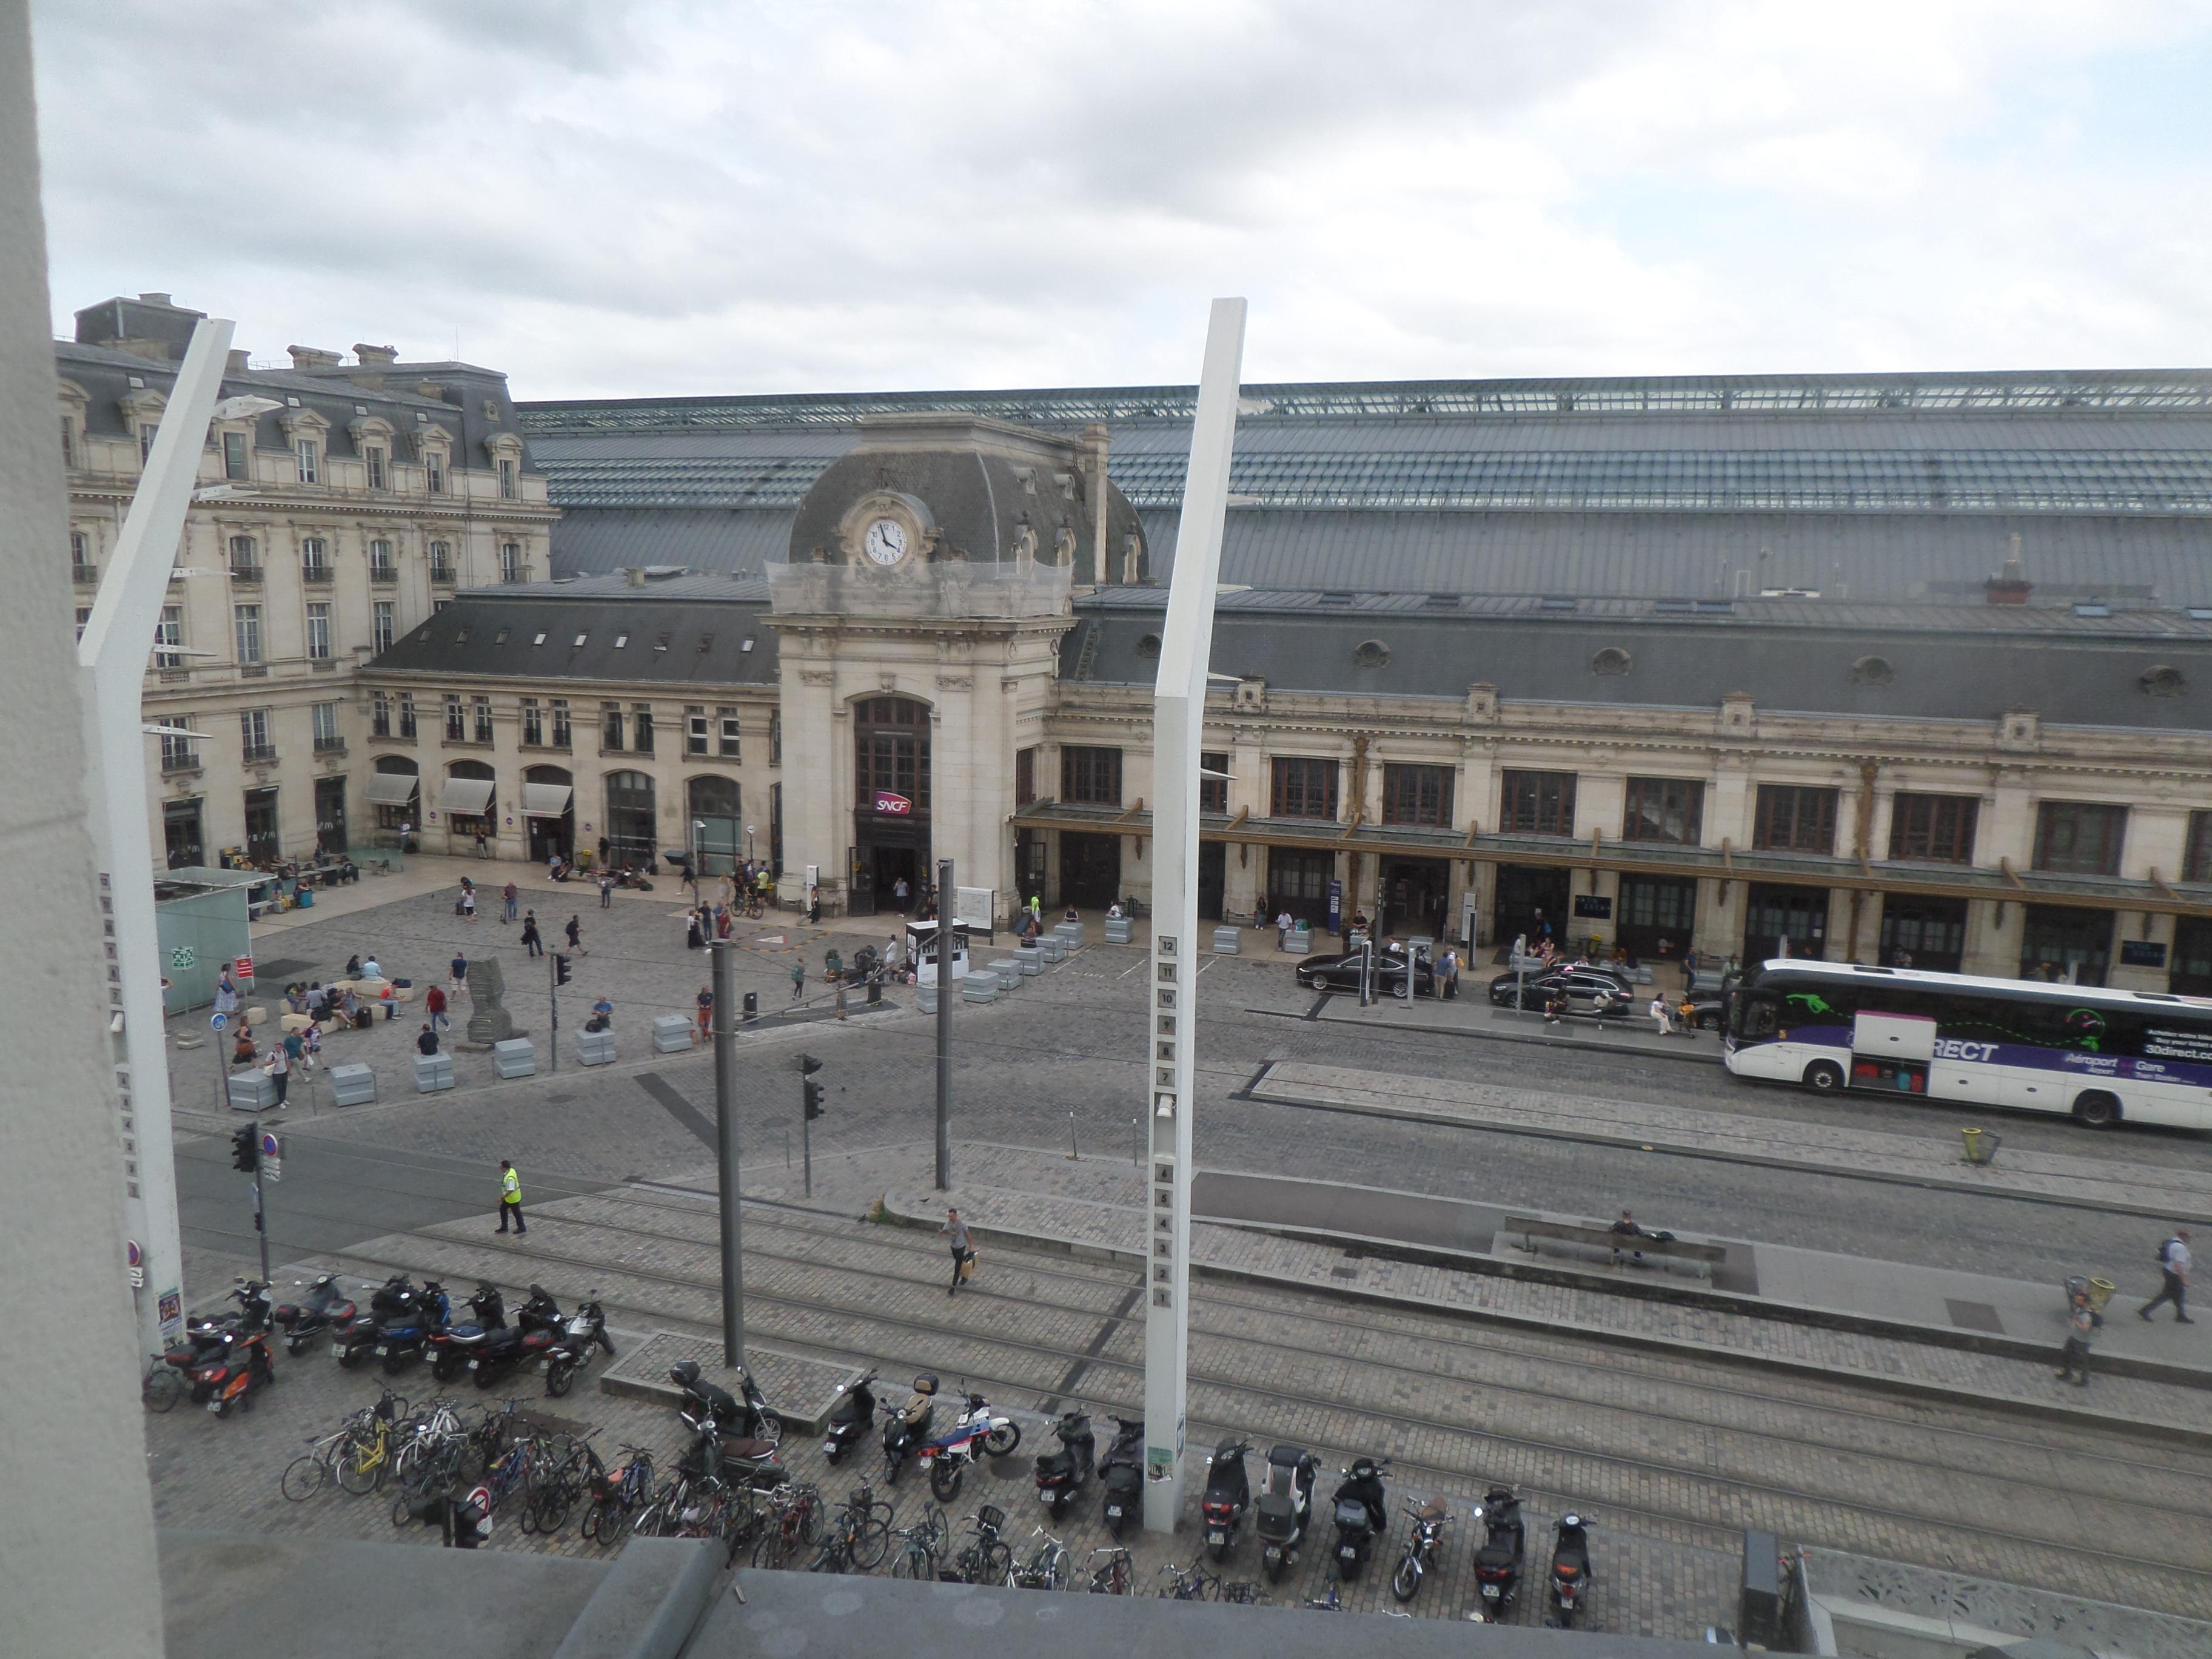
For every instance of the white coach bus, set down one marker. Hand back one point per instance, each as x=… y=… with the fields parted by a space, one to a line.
x=2101 y=1055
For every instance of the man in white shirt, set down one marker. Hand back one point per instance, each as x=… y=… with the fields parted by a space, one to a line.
x=2174 y=1266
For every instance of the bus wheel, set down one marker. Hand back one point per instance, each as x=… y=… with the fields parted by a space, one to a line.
x=2097 y=1110
x=1824 y=1076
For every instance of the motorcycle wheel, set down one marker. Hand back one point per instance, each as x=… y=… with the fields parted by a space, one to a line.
x=892 y=1466
x=834 y=1452
x=1348 y=1571
x=1406 y=1582
x=394 y=1363
x=296 y=1346
x=487 y=1378
x=352 y=1359
x=559 y=1380
x=1002 y=1440
x=1220 y=1552
x=1273 y=1563
x=944 y=1481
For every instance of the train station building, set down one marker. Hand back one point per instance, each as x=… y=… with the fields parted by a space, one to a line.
x=1875 y=668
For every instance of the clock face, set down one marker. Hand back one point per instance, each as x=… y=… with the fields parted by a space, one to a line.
x=885 y=541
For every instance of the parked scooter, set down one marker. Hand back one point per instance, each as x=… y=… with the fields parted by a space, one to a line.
x=572 y=1351
x=203 y=1342
x=1285 y=1508
x=406 y=1334
x=238 y=1365
x=1362 y=1515
x=1062 y=1475
x=454 y=1345
x=980 y=1431
x=325 y=1307
x=1422 y=1543
x=354 y=1341
x=1121 y=1475
x=1228 y=1492
x=1498 y=1557
x=536 y=1327
x=704 y=1403
x=851 y=1416
x=1571 y=1569
x=905 y=1429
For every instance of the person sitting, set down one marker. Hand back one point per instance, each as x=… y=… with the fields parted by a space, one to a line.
x=1625 y=1228
x=427 y=1042
x=242 y=1053
x=353 y=967
x=1114 y=911
x=1072 y=915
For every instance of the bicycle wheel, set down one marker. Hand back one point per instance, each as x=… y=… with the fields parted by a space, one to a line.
x=871 y=1541
x=161 y=1388
x=361 y=1468
x=773 y=1550
x=303 y=1477
x=552 y=1508
x=915 y=1562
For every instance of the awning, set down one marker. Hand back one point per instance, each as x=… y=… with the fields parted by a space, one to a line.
x=546 y=800
x=392 y=788
x=465 y=796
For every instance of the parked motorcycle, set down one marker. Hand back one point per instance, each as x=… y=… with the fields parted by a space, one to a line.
x=451 y=1347
x=203 y=1336
x=1121 y=1475
x=1228 y=1492
x=1062 y=1474
x=406 y=1334
x=1361 y=1514
x=238 y=1365
x=326 y=1308
x=354 y=1342
x=980 y=1431
x=1571 y=1569
x=905 y=1430
x=705 y=1403
x=1498 y=1558
x=587 y=1329
x=1286 y=1507
x=851 y=1416
x=536 y=1327
x=1422 y=1543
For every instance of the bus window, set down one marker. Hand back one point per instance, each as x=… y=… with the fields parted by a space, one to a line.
x=1759 y=1018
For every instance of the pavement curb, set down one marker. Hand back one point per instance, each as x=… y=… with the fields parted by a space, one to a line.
x=1478 y=1036
x=2071 y=1416
x=1257 y=1091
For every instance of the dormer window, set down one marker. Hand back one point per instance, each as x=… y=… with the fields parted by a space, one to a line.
x=309 y=454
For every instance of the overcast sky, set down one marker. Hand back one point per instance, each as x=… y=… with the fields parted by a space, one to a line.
x=611 y=198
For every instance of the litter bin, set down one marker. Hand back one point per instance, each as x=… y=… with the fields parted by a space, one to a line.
x=1981 y=1144
x=752 y=1005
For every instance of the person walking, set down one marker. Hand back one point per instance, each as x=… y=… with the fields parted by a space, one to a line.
x=575 y=932
x=531 y=941
x=461 y=970
x=311 y=1049
x=798 y=980
x=2081 y=1323
x=510 y=1198
x=434 y=1003
x=278 y=1066
x=508 y=894
x=706 y=1001
x=296 y=1049
x=2174 y=1268
x=957 y=1230
x=606 y=889
x=901 y=892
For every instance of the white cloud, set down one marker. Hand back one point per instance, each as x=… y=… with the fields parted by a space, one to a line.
x=662 y=198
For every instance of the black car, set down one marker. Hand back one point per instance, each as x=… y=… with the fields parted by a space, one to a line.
x=1585 y=990
x=1342 y=973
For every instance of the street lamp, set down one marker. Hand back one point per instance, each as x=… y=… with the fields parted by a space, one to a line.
x=748 y=843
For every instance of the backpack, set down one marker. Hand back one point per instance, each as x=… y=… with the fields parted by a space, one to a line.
x=2165 y=1253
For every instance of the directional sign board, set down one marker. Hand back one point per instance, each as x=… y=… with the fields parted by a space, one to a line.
x=272 y=1157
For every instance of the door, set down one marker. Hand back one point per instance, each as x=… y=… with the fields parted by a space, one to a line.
x=1297 y=883
x=1653 y=909
x=1928 y=933
x=1414 y=891
x=860 y=881
x=1090 y=870
x=633 y=826
x=1531 y=900
x=1779 y=919
x=329 y=815
x=2062 y=943
x=181 y=833
x=1212 y=879
x=261 y=840
x=2192 y=957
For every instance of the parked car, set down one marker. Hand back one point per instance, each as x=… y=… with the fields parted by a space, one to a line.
x=1341 y=973
x=1587 y=991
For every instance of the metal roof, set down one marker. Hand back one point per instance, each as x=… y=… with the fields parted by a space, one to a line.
x=670 y=634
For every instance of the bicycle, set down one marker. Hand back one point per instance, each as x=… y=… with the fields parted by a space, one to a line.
x=1194 y=1583
x=987 y=1559
x=305 y=1474
x=925 y=1543
x=617 y=1495
x=1113 y=1578
x=365 y=1456
x=754 y=909
x=796 y=1512
x=163 y=1385
x=1046 y=1568
x=861 y=1536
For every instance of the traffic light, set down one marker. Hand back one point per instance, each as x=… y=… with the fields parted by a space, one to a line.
x=812 y=1093
x=560 y=970
x=246 y=1149
x=808 y=1065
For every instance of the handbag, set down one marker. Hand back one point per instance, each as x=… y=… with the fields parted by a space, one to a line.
x=968 y=1266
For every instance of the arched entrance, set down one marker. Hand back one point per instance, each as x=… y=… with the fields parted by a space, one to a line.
x=718 y=832
x=633 y=829
x=395 y=791
x=549 y=808
x=467 y=806
x=891 y=802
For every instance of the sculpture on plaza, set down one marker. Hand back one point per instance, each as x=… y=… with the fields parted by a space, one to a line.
x=489 y=1020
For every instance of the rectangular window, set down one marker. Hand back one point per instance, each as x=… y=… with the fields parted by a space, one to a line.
x=775 y=738
x=1090 y=775
x=610 y=725
x=68 y=443
x=511 y=567
x=310 y=460
x=381 y=627
x=533 y=724
x=1416 y=794
x=381 y=566
x=315 y=560
x=480 y=709
x=1937 y=827
x=245 y=559
x=457 y=724
x=1024 y=776
x=441 y=561
x=433 y=472
x=730 y=734
x=379 y=714
x=170 y=631
x=407 y=715
x=2197 y=857
x=374 y=458
x=1303 y=789
x=147 y=432
x=1213 y=793
x=234 y=462
x=505 y=479
x=253 y=736
x=178 y=754
x=326 y=727
x=81 y=566
x=641 y=722
x=695 y=730
x=1792 y=819
x=245 y=620
x=1669 y=809
x=2080 y=838
x=561 y=739
x=83 y=616
x=1537 y=804
x=318 y=631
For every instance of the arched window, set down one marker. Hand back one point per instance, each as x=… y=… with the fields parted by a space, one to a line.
x=395 y=790
x=633 y=832
x=468 y=802
x=717 y=829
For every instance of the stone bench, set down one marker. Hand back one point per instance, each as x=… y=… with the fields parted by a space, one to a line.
x=1029 y=959
x=925 y=998
x=1700 y=1257
x=672 y=1034
x=433 y=1072
x=516 y=1057
x=1227 y=941
x=1070 y=932
x=1298 y=941
x=352 y=1086
x=251 y=1090
x=1052 y=948
x=595 y=1048
x=1119 y=930
x=980 y=988
x=1006 y=970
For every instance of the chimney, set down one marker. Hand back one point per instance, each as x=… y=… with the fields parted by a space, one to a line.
x=313 y=357
x=2012 y=587
x=155 y=300
x=1095 y=445
x=376 y=354
x=636 y=574
x=236 y=362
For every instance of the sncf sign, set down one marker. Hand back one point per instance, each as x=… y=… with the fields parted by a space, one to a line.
x=891 y=806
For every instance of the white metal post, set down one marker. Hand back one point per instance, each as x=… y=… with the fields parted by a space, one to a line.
x=1178 y=727
x=112 y=670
